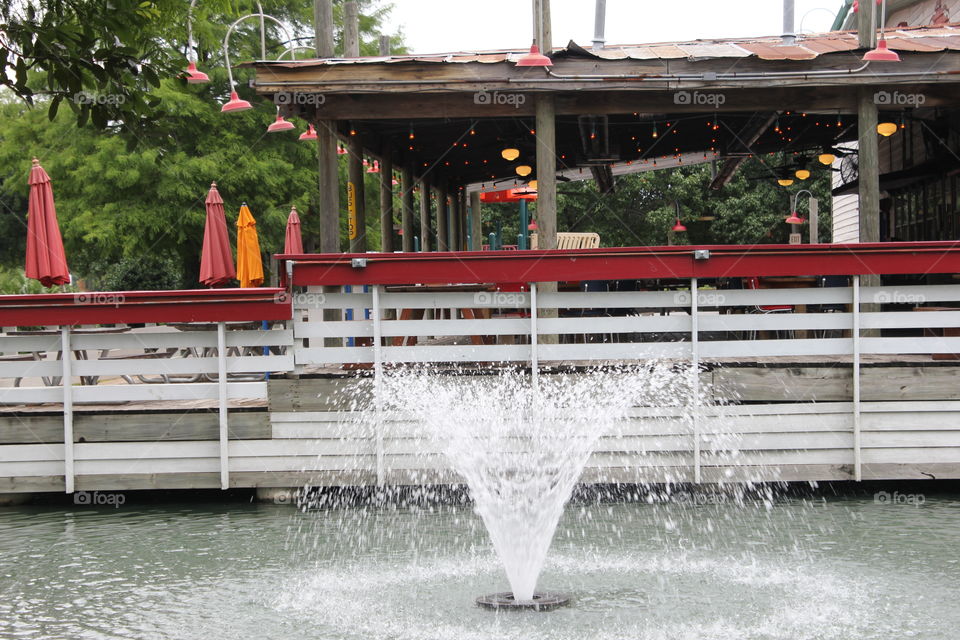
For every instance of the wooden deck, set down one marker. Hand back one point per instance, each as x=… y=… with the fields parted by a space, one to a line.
x=847 y=383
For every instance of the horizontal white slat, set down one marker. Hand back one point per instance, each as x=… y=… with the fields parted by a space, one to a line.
x=916 y=294
x=172 y=392
x=333 y=355
x=910 y=406
x=491 y=326
x=141 y=450
x=613 y=351
x=908 y=439
x=911 y=455
x=458 y=353
x=31 y=368
x=31 y=468
x=28 y=452
x=148 y=340
x=910 y=319
x=764 y=297
x=613 y=299
x=304 y=463
x=308 y=301
x=456 y=300
x=774 y=321
x=180 y=366
x=619 y=324
x=808 y=347
x=14 y=344
x=334 y=329
x=910 y=345
x=139 y=466
x=30 y=395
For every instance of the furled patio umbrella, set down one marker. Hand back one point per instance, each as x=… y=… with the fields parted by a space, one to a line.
x=249 y=262
x=216 y=261
x=293 y=242
x=46 y=260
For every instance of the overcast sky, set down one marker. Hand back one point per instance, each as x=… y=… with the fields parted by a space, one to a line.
x=435 y=26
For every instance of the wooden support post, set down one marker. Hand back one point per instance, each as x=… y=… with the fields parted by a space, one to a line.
x=386 y=201
x=814 y=221
x=869 y=172
x=222 y=400
x=384 y=45
x=351 y=30
x=356 y=199
x=323 y=28
x=406 y=211
x=66 y=381
x=329 y=178
x=476 y=230
x=453 y=231
x=464 y=221
x=867 y=25
x=424 y=215
x=546 y=214
x=442 y=218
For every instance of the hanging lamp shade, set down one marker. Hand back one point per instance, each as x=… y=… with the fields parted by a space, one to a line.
x=375 y=167
x=195 y=76
x=887 y=129
x=678 y=227
x=510 y=154
x=802 y=174
x=881 y=54
x=309 y=134
x=524 y=170
x=826 y=158
x=785 y=182
x=235 y=104
x=534 y=58
x=794 y=219
x=280 y=125
x=341 y=151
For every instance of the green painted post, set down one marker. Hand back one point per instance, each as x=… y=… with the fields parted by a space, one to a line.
x=524 y=222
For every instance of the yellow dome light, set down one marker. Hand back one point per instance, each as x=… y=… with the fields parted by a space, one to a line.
x=510 y=154
x=524 y=170
x=826 y=158
x=785 y=182
x=803 y=174
x=887 y=129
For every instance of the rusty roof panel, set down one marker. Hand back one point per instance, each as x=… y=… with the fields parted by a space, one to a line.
x=807 y=47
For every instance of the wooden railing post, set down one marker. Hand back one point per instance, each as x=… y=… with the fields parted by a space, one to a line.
x=377 y=382
x=695 y=380
x=222 y=403
x=855 y=335
x=66 y=381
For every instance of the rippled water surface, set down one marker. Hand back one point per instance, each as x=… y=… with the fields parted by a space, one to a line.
x=840 y=568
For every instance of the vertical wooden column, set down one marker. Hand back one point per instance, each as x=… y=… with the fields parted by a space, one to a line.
x=453 y=232
x=351 y=29
x=476 y=224
x=464 y=221
x=386 y=200
x=328 y=178
x=406 y=221
x=546 y=215
x=356 y=199
x=869 y=166
x=442 y=194
x=424 y=215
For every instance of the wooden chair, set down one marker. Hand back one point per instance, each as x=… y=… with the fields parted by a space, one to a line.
x=568 y=240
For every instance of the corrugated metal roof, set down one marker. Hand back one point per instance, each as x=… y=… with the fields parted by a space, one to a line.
x=807 y=47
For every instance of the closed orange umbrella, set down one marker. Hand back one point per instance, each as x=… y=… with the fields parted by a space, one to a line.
x=249 y=262
x=46 y=260
x=293 y=241
x=216 y=260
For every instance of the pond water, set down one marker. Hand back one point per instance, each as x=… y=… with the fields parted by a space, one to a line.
x=695 y=567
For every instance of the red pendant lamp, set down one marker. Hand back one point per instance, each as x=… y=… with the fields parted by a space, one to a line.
x=882 y=53
x=678 y=228
x=194 y=76
x=309 y=134
x=534 y=58
x=235 y=104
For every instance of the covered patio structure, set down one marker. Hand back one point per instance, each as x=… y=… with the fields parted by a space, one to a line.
x=444 y=120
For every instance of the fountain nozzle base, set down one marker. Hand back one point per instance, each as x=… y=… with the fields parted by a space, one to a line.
x=542 y=601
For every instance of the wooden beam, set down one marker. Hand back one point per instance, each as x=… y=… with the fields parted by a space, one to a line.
x=356 y=199
x=384 y=45
x=453 y=231
x=747 y=137
x=329 y=185
x=867 y=25
x=424 y=215
x=406 y=221
x=386 y=200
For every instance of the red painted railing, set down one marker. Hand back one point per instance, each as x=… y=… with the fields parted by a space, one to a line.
x=725 y=261
x=200 y=305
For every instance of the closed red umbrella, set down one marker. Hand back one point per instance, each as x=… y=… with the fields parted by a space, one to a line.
x=216 y=260
x=293 y=242
x=46 y=260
